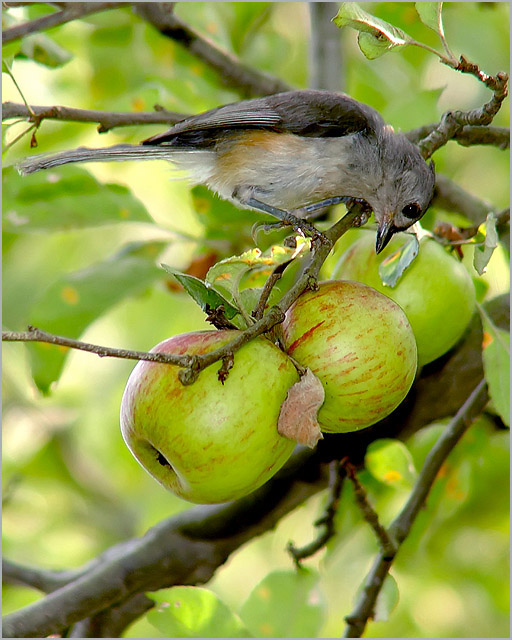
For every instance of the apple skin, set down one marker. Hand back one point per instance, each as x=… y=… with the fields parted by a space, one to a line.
x=359 y=344
x=436 y=291
x=215 y=442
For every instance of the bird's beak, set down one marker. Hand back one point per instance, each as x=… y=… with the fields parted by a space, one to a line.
x=384 y=233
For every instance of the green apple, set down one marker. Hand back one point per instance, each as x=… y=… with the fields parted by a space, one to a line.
x=209 y=442
x=436 y=291
x=360 y=345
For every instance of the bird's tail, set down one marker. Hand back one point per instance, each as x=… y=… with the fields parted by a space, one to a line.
x=83 y=154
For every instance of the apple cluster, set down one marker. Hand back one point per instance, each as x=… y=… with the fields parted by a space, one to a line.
x=216 y=441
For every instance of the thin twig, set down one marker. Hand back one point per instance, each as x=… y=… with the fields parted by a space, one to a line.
x=270 y=283
x=38 y=335
x=401 y=526
x=72 y=11
x=336 y=477
x=387 y=545
x=232 y=72
x=193 y=365
x=107 y=119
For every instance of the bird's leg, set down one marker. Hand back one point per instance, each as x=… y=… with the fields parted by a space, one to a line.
x=303 y=227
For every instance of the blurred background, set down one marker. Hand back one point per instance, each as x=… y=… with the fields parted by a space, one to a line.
x=70 y=486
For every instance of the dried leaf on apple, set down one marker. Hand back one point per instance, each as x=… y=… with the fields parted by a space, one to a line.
x=298 y=415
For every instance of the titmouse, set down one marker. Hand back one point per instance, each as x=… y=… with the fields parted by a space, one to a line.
x=288 y=153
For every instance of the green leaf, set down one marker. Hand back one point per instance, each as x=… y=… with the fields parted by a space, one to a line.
x=285 y=604
x=202 y=292
x=253 y=265
x=64 y=200
x=392 y=268
x=376 y=36
x=430 y=15
x=483 y=253
x=71 y=303
x=390 y=462
x=42 y=49
x=387 y=599
x=194 y=612
x=496 y=358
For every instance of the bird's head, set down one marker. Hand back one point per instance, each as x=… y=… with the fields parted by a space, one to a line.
x=405 y=192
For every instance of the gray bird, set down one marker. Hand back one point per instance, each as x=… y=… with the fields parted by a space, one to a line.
x=288 y=153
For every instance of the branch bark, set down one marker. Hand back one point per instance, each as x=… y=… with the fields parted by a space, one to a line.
x=106 y=120
x=193 y=365
x=453 y=122
x=468 y=136
x=187 y=549
x=72 y=11
x=402 y=524
x=232 y=72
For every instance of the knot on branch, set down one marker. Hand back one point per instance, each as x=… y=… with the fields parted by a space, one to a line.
x=188 y=375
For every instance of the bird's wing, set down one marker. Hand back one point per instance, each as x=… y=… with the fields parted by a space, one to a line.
x=306 y=113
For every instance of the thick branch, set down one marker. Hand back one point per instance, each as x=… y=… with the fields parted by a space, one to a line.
x=41 y=579
x=72 y=11
x=402 y=524
x=451 y=197
x=232 y=72
x=185 y=549
x=107 y=120
x=326 y=68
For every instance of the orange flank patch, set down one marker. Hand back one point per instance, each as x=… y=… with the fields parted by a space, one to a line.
x=69 y=295
x=235 y=156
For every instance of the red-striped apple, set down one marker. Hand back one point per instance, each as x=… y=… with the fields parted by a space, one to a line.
x=360 y=345
x=209 y=442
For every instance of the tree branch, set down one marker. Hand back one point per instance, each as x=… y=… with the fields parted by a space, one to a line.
x=41 y=579
x=450 y=196
x=185 y=549
x=336 y=478
x=232 y=72
x=37 y=335
x=386 y=542
x=107 y=120
x=188 y=548
x=468 y=136
x=454 y=121
x=326 y=69
x=72 y=11
x=193 y=365
x=401 y=526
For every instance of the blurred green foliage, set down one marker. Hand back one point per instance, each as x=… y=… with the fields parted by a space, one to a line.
x=71 y=487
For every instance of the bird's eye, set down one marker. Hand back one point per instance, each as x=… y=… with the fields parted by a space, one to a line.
x=411 y=210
